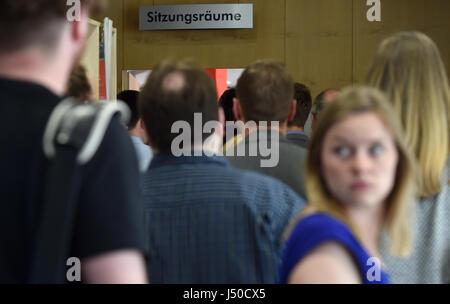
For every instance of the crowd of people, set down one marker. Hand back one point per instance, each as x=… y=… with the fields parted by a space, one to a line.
x=351 y=188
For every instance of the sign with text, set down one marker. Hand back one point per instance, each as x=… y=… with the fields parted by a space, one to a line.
x=192 y=17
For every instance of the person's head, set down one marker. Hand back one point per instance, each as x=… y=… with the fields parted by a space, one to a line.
x=79 y=85
x=265 y=92
x=358 y=160
x=41 y=30
x=325 y=98
x=174 y=92
x=226 y=102
x=409 y=69
x=130 y=97
x=302 y=95
x=135 y=125
x=37 y=23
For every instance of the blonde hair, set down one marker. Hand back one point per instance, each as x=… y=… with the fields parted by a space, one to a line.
x=409 y=69
x=353 y=101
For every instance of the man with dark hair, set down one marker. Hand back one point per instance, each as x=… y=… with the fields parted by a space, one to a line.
x=265 y=92
x=136 y=129
x=39 y=47
x=226 y=103
x=206 y=222
x=295 y=131
x=265 y=103
x=322 y=100
x=159 y=113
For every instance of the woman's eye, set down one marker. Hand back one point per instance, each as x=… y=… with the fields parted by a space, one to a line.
x=342 y=151
x=377 y=150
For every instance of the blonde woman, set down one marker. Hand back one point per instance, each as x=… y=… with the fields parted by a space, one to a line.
x=409 y=69
x=360 y=180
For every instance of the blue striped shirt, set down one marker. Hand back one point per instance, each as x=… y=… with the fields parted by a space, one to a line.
x=208 y=223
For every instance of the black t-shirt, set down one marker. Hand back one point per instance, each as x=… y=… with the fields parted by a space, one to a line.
x=109 y=215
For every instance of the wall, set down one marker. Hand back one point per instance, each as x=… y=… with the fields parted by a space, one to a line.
x=319 y=42
x=324 y=43
x=428 y=16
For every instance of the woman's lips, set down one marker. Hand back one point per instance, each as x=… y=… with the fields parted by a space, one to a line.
x=360 y=186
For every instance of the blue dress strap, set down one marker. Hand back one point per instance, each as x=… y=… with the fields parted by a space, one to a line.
x=320 y=228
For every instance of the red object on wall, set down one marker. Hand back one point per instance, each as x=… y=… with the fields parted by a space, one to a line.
x=220 y=77
x=102 y=80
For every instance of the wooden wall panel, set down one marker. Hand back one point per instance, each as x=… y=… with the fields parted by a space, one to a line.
x=319 y=43
x=430 y=17
x=398 y=15
x=211 y=48
x=324 y=43
x=437 y=26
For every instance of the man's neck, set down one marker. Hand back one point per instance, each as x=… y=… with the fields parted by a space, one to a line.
x=136 y=132
x=35 y=67
x=281 y=128
x=295 y=129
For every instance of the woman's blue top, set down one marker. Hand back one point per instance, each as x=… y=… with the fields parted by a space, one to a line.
x=320 y=228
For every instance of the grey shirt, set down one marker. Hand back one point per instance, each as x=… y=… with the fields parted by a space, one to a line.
x=429 y=261
x=290 y=158
x=298 y=138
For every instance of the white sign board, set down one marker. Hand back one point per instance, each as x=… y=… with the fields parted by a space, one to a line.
x=190 y=17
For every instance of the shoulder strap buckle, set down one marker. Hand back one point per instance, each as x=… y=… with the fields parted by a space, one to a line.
x=81 y=126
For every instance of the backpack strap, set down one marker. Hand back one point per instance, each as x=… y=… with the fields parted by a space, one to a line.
x=72 y=136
